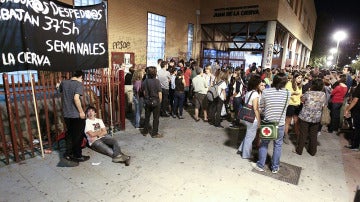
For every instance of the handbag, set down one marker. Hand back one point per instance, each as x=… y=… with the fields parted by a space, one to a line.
x=325 y=116
x=269 y=130
x=247 y=113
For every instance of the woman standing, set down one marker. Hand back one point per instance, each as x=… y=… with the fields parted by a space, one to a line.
x=293 y=111
x=273 y=104
x=209 y=77
x=216 y=105
x=252 y=98
x=310 y=115
x=336 y=101
x=236 y=95
x=179 y=95
x=138 y=95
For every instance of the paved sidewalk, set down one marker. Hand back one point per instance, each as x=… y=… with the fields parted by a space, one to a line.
x=193 y=162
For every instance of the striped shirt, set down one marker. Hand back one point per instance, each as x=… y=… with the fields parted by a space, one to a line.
x=272 y=104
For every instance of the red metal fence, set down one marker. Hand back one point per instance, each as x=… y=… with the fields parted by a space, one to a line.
x=19 y=133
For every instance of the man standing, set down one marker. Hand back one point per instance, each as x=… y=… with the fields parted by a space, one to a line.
x=347 y=71
x=153 y=97
x=354 y=107
x=164 y=78
x=200 y=90
x=74 y=118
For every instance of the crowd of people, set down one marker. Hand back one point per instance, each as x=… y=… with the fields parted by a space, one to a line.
x=291 y=96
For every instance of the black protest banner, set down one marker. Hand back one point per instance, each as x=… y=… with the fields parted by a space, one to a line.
x=52 y=36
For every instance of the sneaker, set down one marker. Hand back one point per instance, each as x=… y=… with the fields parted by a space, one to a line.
x=181 y=117
x=319 y=133
x=256 y=167
x=231 y=125
x=275 y=171
x=286 y=140
x=157 y=136
x=219 y=126
x=120 y=158
x=353 y=148
x=81 y=159
x=67 y=162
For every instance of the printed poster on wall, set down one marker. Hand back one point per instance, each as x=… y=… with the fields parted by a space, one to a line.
x=52 y=36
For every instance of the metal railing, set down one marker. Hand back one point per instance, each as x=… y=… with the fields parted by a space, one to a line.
x=19 y=133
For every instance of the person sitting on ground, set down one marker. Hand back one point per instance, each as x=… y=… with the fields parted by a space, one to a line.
x=99 y=141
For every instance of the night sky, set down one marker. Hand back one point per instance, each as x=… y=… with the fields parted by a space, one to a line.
x=339 y=14
x=332 y=16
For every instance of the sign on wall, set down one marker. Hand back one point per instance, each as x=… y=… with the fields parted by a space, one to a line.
x=51 y=36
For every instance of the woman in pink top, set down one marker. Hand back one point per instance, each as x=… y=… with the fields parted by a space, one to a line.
x=336 y=101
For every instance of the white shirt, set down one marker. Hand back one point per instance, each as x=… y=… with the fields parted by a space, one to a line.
x=221 y=87
x=93 y=125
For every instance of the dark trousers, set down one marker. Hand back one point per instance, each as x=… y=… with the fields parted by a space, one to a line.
x=178 y=103
x=74 y=136
x=335 y=117
x=156 y=113
x=165 y=101
x=355 y=140
x=171 y=98
x=237 y=105
x=107 y=145
x=215 y=111
x=307 y=130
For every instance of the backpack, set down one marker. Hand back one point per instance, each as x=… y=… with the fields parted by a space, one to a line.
x=212 y=93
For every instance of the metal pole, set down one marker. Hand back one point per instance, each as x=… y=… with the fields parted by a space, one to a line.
x=337 y=52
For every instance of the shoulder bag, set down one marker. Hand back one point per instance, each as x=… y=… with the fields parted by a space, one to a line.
x=269 y=130
x=325 y=116
x=247 y=113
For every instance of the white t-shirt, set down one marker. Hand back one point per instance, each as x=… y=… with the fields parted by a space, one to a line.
x=221 y=87
x=253 y=96
x=93 y=125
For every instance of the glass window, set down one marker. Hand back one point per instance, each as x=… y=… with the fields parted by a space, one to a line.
x=155 y=38
x=86 y=2
x=190 y=40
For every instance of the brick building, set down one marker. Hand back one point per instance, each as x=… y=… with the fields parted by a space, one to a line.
x=275 y=33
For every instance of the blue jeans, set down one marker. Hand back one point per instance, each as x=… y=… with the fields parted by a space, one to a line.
x=275 y=163
x=237 y=106
x=178 y=103
x=138 y=104
x=246 y=144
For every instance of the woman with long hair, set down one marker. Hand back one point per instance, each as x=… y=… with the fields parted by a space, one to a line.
x=216 y=106
x=336 y=101
x=252 y=98
x=138 y=95
x=295 y=87
x=179 y=95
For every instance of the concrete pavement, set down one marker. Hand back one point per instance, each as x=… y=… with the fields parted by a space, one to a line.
x=193 y=162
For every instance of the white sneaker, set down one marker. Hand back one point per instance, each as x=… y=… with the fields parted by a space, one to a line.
x=275 y=171
x=256 y=167
x=319 y=133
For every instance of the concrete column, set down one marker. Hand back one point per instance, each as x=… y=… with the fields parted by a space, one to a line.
x=293 y=49
x=303 y=57
x=269 y=44
x=298 y=62
x=285 y=50
x=307 y=57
